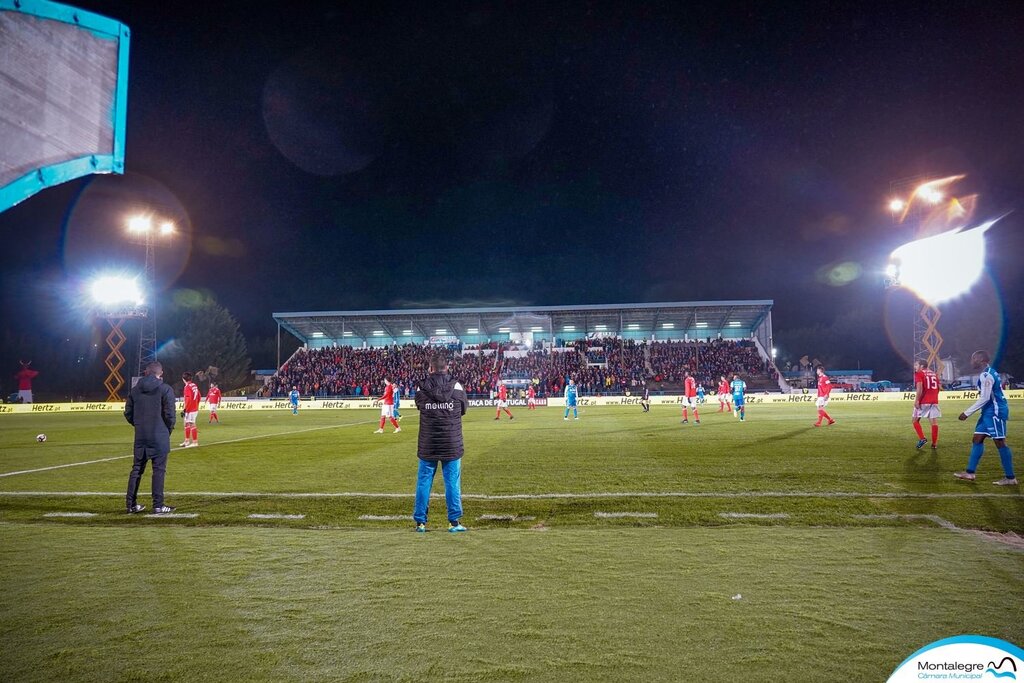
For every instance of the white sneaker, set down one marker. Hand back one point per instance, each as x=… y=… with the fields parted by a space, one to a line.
x=1006 y=481
x=379 y=431
x=184 y=444
x=193 y=444
x=966 y=476
x=397 y=429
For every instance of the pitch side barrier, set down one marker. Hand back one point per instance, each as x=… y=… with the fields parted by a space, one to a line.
x=233 y=405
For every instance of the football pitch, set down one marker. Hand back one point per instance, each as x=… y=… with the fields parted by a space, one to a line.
x=623 y=546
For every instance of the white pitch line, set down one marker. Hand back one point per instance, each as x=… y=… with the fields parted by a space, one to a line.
x=173 y=515
x=258 y=515
x=620 y=515
x=385 y=518
x=753 y=515
x=183 y=448
x=539 y=496
x=70 y=514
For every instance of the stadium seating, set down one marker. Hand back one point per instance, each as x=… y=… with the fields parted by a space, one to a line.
x=606 y=366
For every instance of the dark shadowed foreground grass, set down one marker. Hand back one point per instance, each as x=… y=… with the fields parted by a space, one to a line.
x=108 y=603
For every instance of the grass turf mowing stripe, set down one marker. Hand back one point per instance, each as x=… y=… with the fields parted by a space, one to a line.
x=182 y=448
x=506 y=518
x=70 y=514
x=534 y=497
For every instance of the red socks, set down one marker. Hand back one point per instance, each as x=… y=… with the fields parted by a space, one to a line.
x=685 y=414
x=382 y=421
x=935 y=435
x=919 y=430
x=394 y=423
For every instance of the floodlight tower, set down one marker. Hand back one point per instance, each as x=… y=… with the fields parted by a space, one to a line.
x=911 y=199
x=117 y=299
x=141 y=230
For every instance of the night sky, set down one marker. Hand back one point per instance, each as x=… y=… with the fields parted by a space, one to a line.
x=379 y=155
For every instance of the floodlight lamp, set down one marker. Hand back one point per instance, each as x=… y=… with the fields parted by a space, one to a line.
x=112 y=290
x=897 y=205
x=167 y=228
x=140 y=224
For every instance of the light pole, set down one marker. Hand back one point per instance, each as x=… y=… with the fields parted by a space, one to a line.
x=141 y=229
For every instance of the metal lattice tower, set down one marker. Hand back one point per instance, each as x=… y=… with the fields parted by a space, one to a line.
x=927 y=338
x=147 y=323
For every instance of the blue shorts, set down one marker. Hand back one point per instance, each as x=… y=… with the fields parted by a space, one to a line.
x=570 y=404
x=294 y=404
x=992 y=425
x=737 y=401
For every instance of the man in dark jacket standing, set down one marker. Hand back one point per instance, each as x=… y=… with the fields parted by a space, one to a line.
x=150 y=409
x=442 y=403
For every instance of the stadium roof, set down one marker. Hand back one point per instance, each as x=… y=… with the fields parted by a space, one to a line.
x=696 y=318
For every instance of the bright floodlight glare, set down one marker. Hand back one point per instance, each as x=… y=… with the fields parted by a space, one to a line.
x=891 y=270
x=110 y=290
x=166 y=228
x=140 y=224
x=929 y=194
x=896 y=205
x=942 y=267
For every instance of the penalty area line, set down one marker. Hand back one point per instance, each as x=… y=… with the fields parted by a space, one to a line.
x=183 y=448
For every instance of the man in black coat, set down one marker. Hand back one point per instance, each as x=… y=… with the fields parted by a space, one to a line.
x=442 y=402
x=150 y=409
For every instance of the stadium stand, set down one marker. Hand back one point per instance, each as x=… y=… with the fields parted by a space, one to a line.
x=606 y=349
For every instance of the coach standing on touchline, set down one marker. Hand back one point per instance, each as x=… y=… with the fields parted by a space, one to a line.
x=150 y=409
x=442 y=403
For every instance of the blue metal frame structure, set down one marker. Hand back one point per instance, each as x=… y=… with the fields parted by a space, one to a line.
x=55 y=174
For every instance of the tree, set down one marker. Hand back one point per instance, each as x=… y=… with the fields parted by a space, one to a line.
x=206 y=339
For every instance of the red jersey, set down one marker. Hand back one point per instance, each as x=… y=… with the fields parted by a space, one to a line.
x=723 y=387
x=824 y=386
x=531 y=393
x=389 y=395
x=24 y=378
x=929 y=386
x=690 y=386
x=191 y=396
x=502 y=392
x=213 y=396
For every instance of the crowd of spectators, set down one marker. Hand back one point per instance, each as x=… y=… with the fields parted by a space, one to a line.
x=598 y=366
x=707 y=361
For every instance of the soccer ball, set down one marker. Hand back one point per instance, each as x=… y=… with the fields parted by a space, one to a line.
x=40 y=437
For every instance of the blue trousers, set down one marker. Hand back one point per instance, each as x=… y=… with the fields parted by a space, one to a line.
x=452 y=473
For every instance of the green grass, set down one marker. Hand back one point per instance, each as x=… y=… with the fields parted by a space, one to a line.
x=629 y=604
x=846 y=585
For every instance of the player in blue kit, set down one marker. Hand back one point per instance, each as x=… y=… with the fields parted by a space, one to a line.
x=994 y=412
x=293 y=400
x=570 y=400
x=739 y=392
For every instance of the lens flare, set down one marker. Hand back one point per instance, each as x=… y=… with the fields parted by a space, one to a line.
x=941 y=267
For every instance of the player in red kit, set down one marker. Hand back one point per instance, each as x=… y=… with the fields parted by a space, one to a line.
x=191 y=397
x=213 y=401
x=387 y=408
x=531 y=398
x=690 y=398
x=503 y=402
x=724 y=395
x=926 y=403
x=824 y=389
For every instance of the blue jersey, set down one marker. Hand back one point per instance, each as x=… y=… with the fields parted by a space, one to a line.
x=398 y=394
x=739 y=388
x=293 y=397
x=992 y=401
x=570 y=394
